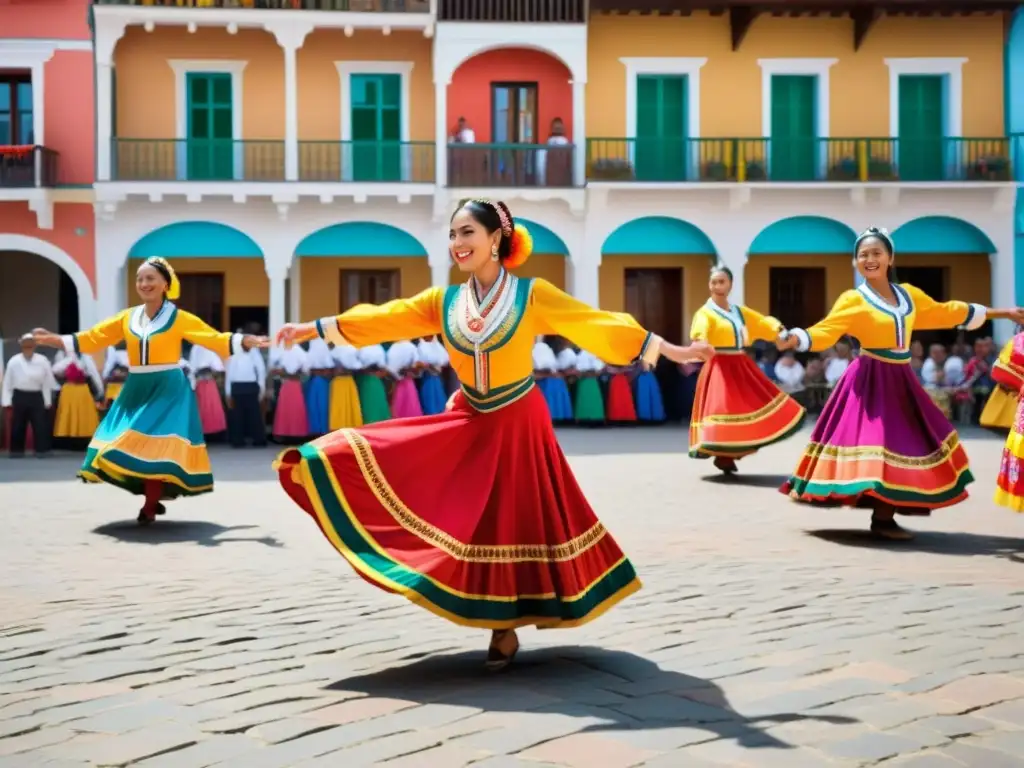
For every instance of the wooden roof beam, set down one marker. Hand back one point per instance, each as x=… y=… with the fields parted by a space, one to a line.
x=863 y=20
x=740 y=19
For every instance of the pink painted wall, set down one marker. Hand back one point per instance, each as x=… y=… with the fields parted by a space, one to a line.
x=17 y=219
x=51 y=19
x=69 y=119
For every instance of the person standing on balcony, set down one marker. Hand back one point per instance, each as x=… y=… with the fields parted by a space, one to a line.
x=736 y=409
x=463 y=134
x=151 y=441
x=474 y=513
x=880 y=439
x=27 y=396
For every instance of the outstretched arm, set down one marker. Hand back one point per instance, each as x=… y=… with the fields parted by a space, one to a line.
x=939 y=315
x=225 y=344
x=104 y=334
x=827 y=331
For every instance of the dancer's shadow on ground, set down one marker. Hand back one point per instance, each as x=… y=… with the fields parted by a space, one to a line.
x=165 y=531
x=612 y=690
x=753 y=481
x=932 y=542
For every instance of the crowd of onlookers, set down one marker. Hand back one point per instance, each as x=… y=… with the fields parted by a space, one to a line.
x=959 y=377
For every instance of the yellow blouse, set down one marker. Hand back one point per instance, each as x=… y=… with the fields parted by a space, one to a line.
x=155 y=341
x=490 y=342
x=734 y=328
x=880 y=326
x=1006 y=372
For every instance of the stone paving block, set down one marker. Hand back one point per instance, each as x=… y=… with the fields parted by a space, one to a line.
x=924 y=760
x=674 y=709
x=111 y=750
x=379 y=750
x=34 y=740
x=872 y=746
x=209 y=751
x=1010 y=742
x=444 y=756
x=130 y=718
x=512 y=738
x=664 y=739
x=356 y=710
x=971 y=755
x=955 y=726
x=1011 y=712
x=586 y=750
x=897 y=712
x=982 y=690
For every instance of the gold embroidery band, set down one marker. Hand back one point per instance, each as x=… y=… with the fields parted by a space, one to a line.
x=473 y=553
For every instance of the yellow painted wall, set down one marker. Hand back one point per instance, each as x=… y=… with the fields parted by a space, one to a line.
x=550 y=267
x=320 y=290
x=245 y=280
x=612 y=280
x=730 y=82
x=838 y=276
x=969 y=277
x=145 y=81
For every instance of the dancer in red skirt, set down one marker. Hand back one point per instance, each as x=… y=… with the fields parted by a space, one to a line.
x=736 y=409
x=474 y=513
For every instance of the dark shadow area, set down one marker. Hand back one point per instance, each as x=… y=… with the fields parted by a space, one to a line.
x=620 y=690
x=165 y=531
x=931 y=542
x=751 y=481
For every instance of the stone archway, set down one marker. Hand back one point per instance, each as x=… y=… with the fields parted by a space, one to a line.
x=70 y=267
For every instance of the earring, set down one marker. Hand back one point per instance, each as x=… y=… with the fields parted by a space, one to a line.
x=494 y=253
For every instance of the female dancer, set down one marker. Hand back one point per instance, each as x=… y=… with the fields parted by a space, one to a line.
x=373 y=396
x=650 y=407
x=77 y=408
x=474 y=513
x=1000 y=410
x=736 y=409
x=551 y=383
x=588 y=406
x=320 y=364
x=621 y=409
x=434 y=359
x=344 y=394
x=206 y=364
x=1010 y=484
x=151 y=441
x=291 y=418
x=880 y=440
x=402 y=361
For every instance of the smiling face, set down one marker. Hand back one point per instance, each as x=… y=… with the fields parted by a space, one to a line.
x=149 y=283
x=873 y=259
x=469 y=241
x=720 y=284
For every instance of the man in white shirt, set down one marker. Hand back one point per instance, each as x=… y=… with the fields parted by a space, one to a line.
x=28 y=391
x=245 y=386
x=837 y=365
x=940 y=371
x=789 y=373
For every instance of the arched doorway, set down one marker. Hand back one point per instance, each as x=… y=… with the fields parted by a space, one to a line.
x=798 y=267
x=221 y=269
x=357 y=262
x=41 y=285
x=546 y=262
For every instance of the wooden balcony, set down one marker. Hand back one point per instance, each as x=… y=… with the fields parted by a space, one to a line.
x=525 y=11
x=841 y=160
x=510 y=165
x=27 y=167
x=367 y=6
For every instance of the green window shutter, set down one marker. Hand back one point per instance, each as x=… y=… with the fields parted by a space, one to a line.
x=921 y=127
x=794 y=130
x=210 y=134
x=376 y=119
x=660 y=144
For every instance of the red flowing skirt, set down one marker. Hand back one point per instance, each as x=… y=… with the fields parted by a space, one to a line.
x=620 y=399
x=474 y=516
x=737 y=410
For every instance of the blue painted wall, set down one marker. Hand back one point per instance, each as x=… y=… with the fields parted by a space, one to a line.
x=657 y=235
x=1014 y=85
x=941 y=234
x=361 y=238
x=544 y=240
x=804 y=235
x=196 y=239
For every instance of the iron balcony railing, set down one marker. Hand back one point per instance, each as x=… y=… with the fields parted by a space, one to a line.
x=804 y=160
x=526 y=11
x=27 y=166
x=264 y=160
x=510 y=165
x=369 y=6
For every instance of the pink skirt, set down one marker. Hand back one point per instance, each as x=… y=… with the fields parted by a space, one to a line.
x=211 y=409
x=290 y=419
x=405 y=400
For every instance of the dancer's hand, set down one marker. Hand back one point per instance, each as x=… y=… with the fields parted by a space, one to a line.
x=254 y=342
x=787 y=341
x=47 y=339
x=1017 y=315
x=295 y=333
x=701 y=350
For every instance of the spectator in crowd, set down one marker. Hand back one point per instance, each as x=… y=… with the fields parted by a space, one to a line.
x=916 y=357
x=941 y=370
x=837 y=365
x=789 y=373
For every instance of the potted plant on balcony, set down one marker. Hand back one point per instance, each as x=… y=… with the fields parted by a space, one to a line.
x=843 y=170
x=756 y=171
x=991 y=168
x=714 y=170
x=610 y=169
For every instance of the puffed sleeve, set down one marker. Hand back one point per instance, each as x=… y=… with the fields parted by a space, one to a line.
x=196 y=331
x=368 y=324
x=828 y=331
x=760 y=327
x=931 y=315
x=700 y=328
x=104 y=334
x=614 y=337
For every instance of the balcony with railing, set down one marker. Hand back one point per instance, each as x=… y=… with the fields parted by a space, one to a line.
x=843 y=160
x=367 y=6
x=525 y=11
x=27 y=167
x=510 y=165
x=255 y=160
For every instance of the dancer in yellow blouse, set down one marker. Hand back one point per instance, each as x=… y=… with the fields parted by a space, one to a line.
x=1001 y=407
x=880 y=440
x=150 y=443
x=736 y=409
x=474 y=513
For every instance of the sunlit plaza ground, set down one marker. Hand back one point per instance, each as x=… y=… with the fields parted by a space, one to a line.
x=767 y=634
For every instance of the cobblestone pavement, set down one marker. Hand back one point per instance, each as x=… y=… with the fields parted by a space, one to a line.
x=231 y=634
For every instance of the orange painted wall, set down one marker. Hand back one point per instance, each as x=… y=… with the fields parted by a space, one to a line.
x=320 y=279
x=17 y=219
x=50 y=19
x=469 y=94
x=69 y=93
x=145 y=81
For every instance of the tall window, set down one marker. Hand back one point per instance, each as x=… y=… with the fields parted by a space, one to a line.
x=514 y=113
x=368 y=286
x=16 y=109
